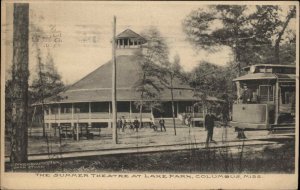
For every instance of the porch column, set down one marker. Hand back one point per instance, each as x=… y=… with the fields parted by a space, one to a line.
x=72 y=113
x=193 y=109
x=49 y=116
x=130 y=110
x=58 y=114
x=203 y=112
x=152 y=117
x=109 y=114
x=177 y=109
x=238 y=90
x=90 y=114
x=72 y=119
x=277 y=95
x=123 y=43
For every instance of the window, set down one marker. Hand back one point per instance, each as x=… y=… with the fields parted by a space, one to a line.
x=100 y=107
x=189 y=109
x=54 y=109
x=130 y=42
x=66 y=108
x=81 y=108
x=126 y=42
x=123 y=106
x=266 y=93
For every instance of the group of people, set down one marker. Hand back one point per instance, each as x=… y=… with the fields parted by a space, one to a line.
x=122 y=124
x=135 y=125
x=209 y=124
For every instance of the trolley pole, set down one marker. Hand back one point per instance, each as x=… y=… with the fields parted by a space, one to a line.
x=114 y=94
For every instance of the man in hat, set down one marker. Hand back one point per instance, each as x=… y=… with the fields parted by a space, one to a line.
x=136 y=124
x=162 y=124
x=123 y=123
x=246 y=96
x=209 y=126
x=120 y=125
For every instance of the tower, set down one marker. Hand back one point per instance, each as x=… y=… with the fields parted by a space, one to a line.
x=129 y=43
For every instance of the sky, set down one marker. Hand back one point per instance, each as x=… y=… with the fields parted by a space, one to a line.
x=79 y=34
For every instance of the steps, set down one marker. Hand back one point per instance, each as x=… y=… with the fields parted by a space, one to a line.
x=282 y=128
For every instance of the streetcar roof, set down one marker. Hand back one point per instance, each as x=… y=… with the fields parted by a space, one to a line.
x=269 y=65
x=265 y=76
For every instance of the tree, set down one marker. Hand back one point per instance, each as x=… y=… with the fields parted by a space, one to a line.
x=46 y=84
x=170 y=71
x=208 y=79
x=20 y=74
x=156 y=54
x=248 y=33
x=284 y=24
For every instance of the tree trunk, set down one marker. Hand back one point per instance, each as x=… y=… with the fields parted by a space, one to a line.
x=280 y=34
x=41 y=81
x=141 y=115
x=141 y=104
x=20 y=75
x=173 y=109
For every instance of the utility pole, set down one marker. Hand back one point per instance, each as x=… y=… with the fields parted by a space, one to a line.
x=114 y=90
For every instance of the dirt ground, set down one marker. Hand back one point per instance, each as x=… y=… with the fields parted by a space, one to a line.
x=130 y=138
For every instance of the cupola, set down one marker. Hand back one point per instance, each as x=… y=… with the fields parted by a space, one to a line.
x=128 y=43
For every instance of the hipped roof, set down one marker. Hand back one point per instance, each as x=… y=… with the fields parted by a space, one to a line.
x=130 y=34
x=96 y=86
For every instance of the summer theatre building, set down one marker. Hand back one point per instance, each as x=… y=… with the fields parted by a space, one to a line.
x=88 y=101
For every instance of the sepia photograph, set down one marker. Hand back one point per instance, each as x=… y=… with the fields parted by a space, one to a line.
x=149 y=95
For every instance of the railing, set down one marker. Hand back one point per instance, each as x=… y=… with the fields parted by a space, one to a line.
x=99 y=115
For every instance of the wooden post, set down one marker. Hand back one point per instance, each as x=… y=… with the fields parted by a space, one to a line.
x=114 y=91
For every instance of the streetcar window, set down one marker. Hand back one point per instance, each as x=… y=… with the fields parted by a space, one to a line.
x=288 y=95
x=266 y=93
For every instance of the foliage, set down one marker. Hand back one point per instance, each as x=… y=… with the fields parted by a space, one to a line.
x=156 y=54
x=48 y=81
x=247 y=30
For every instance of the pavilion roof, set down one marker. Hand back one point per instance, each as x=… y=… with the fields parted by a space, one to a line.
x=96 y=86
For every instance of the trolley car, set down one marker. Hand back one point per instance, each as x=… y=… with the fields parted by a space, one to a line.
x=270 y=101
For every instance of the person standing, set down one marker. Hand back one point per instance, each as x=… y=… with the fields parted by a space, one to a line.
x=189 y=120
x=136 y=124
x=123 y=123
x=120 y=125
x=209 y=126
x=162 y=124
